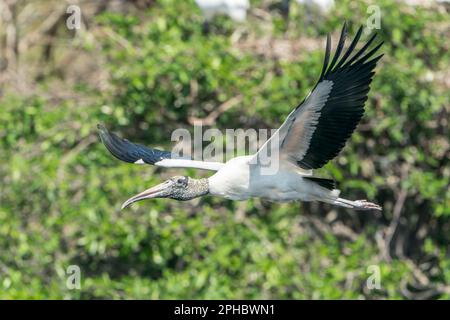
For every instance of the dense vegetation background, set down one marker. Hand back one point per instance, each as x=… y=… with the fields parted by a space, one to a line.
x=145 y=68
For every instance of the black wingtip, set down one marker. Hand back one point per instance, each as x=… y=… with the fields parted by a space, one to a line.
x=361 y=51
x=104 y=135
x=101 y=129
x=351 y=47
x=326 y=59
x=339 y=47
x=130 y=152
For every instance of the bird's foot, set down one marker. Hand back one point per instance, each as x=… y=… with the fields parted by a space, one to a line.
x=366 y=205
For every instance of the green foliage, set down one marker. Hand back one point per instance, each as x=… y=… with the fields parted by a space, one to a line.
x=61 y=191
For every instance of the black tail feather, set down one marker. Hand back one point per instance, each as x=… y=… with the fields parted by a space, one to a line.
x=325 y=183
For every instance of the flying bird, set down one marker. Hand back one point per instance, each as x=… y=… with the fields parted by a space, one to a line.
x=312 y=134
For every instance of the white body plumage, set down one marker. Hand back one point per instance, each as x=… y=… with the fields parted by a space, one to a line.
x=241 y=180
x=324 y=5
x=235 y=9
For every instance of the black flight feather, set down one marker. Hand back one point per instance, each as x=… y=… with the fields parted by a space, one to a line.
x=344 y=106
x=128 y=151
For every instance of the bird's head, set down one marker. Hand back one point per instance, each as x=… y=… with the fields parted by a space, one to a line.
x=179 y=188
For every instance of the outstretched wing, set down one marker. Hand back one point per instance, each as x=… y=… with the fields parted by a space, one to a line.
x=131 y=152
x=316 y=131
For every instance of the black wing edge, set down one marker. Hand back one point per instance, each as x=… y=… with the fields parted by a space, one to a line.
x=128 y=151
x=345 y=105
x=343 y=64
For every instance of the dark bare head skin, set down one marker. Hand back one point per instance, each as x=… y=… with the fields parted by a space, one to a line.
x=180 y=188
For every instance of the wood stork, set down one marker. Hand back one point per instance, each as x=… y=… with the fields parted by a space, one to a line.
x=323 y=5
x=235 y=9
x=313 y=134
x=313 y=7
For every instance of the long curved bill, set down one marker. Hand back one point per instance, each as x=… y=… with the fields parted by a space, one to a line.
x=155 y=192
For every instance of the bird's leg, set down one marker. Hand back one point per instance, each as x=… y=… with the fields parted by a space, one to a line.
x=357 y=204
